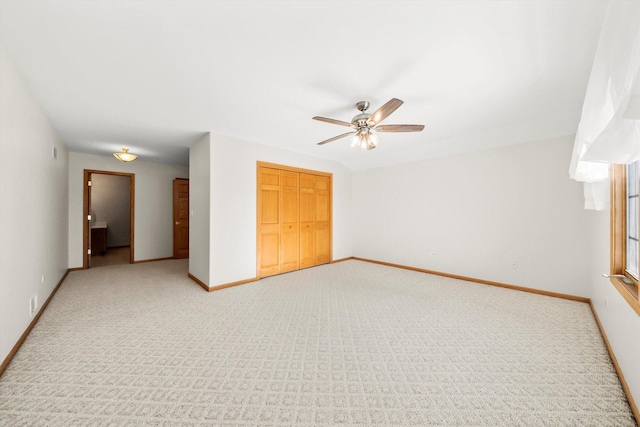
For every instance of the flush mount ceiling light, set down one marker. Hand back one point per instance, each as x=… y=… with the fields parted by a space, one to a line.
x=125 y=156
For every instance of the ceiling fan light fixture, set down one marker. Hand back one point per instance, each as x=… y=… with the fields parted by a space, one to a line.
x=372 y=140
x=364 y=140
x=356 y=141
x=125 y=156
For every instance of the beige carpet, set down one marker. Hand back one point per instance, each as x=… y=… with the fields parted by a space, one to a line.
x=351 y=343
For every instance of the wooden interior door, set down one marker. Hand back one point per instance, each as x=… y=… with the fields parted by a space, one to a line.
x=307 y=220
x=88 y=220
x=290 y=221
x=181 y=218
x=269 y=188
x=322 y=208
x=293 y=219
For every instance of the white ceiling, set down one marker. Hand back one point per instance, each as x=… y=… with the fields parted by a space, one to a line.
x=155 y=76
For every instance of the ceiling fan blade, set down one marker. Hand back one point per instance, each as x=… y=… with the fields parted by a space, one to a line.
x=332 y=121
x=384 y=111
x=335 y=137
x=399 y=128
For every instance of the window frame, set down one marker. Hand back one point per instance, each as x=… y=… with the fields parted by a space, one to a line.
x=619 y=237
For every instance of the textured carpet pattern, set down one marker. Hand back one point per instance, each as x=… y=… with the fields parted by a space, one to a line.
x=351 y=343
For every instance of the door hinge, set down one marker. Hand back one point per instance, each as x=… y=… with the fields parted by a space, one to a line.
x=89 y=217
x=89 y=183
x=88 y=251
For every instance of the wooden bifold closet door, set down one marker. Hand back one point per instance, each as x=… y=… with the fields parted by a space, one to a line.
x=294 y=219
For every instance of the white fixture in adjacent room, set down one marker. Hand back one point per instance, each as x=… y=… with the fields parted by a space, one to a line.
x=125 y=156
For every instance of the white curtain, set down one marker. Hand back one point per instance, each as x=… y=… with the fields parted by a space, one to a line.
x=609 y=129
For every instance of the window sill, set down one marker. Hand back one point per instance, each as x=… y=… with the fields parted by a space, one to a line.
x=629 y=293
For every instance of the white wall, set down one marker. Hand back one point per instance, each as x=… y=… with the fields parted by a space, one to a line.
x=153 y=222
x=199 y=200
x=110 y=202
x=479 y=212
x=33 y=206
x=620 y=322
x=233 y=204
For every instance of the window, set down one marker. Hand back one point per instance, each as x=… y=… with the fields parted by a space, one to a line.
x=632 y=220
x=625 y=253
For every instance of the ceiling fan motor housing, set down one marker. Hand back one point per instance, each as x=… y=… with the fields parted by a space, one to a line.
x=361 y=120
x=362 y=106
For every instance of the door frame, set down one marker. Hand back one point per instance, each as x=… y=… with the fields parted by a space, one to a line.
x=85 y=216
x=260 y=164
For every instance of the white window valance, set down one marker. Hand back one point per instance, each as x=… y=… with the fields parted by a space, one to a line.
x=609 y=129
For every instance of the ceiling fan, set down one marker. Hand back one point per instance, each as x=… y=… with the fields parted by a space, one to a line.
x=367 y=125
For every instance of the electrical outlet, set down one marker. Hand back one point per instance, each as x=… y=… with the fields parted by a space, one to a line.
x=33 y=305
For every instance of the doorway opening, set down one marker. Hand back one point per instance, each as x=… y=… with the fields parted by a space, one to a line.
x=108 y=232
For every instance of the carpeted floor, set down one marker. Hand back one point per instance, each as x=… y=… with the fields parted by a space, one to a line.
x=350 y=343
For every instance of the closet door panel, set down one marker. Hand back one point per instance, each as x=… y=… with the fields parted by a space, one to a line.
x=269 y=222
x=270 y=210
x=290 y=226
x=307 y=247
x=289 y=251
x=323 y=244
x=270 y=254
x=307 y=220
x=322 y=208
